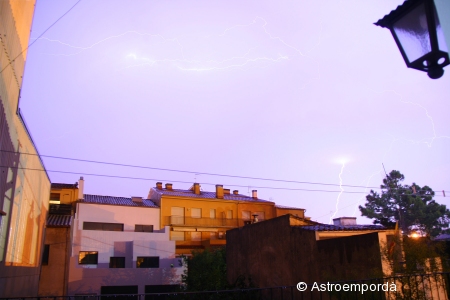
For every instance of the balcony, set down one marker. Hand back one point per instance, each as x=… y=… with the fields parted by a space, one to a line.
x=204 y=222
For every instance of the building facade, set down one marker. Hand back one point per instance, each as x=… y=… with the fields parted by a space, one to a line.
x=119 y=247
x=200 y=219
x=24 y=184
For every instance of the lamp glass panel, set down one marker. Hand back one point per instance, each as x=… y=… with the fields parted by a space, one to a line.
x=412 y=32
x=440 y=34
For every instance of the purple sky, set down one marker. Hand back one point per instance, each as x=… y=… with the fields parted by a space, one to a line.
x=274 y=89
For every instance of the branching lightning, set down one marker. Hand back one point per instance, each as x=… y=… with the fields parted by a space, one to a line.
x=427 y=141
x=339 y=196
x=254 y=56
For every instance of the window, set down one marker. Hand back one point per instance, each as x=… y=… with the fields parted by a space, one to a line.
x=260 y=215
x=212 y=213
x=196 y=236
x=196 y=212
x=245 y=215
x=212 y=235
x=88 y=258
x=117 y=262
x=221 y=234
x=102 y=226
x=45 y=255
x=229 y=214
x=177 y=236
x=147 y=262
x=143 y=228
x=177 y=215
x=55 y=198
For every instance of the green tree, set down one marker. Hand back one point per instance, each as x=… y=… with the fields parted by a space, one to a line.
x=411 y=206
x=206 y=271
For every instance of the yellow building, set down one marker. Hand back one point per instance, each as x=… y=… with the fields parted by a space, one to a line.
x=24 y=184
x=200 y=219
x=53 y=279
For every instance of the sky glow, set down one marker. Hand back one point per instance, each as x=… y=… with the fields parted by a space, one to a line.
x=287 y=90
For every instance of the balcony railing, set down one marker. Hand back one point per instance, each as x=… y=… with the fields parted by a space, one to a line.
x=205 y=222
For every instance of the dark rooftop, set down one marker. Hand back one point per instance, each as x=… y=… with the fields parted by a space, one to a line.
x=203 y=194
x=110 y=200
x=326 y=227
x=59 y=221
x=64 y=185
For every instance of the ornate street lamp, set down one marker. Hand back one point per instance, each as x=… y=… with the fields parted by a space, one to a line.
x=416 y=30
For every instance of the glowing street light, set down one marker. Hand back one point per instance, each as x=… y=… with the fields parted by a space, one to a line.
x=418 y=33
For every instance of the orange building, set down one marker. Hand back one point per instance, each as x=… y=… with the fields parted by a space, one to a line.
x=200 y=219
x=24 y=184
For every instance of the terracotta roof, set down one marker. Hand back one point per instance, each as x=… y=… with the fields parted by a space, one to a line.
x=326 y=227
x=59 y=221
x=64 y=185
x=287 y=207
x=110 y=200
x=203 y=194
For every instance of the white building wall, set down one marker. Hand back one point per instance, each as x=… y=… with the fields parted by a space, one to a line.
x=88 y=279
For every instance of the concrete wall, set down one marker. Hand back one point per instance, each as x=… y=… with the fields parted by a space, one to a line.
x=128 y=215
x=24 y=193
x=53 y=279
x=85 y=279
x=273 y=253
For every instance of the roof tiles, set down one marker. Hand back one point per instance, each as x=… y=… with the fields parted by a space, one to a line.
x=64 y=185
x=110 y=200
x=205 y=195
x=59 y=221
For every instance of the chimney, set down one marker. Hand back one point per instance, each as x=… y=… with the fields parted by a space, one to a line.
x=81 y=188
x=344 y=221
x=226 y=191
x=159 y=185
x=236 y=192
x=197 y=188
x=254 y=194
x=219 y=191
x=136 y=199
x=169 y=186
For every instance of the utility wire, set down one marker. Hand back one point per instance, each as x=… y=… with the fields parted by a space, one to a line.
x=48 y=28
x=177 y=181
x=190 y=172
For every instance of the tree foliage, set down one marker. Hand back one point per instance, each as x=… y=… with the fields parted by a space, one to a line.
x=206 y=271
x=411 y=206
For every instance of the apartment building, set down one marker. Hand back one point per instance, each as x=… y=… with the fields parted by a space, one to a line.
x=119 y=247
x=105 y=245
x=200 y=219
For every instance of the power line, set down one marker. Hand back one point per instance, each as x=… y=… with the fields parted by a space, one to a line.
x=48 y=28
x=191 y=172
x=177 y=181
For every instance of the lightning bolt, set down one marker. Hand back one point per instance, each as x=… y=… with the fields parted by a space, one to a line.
x=427 y=141
x=245 y=60
x=367 y=181
x=339 y=196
